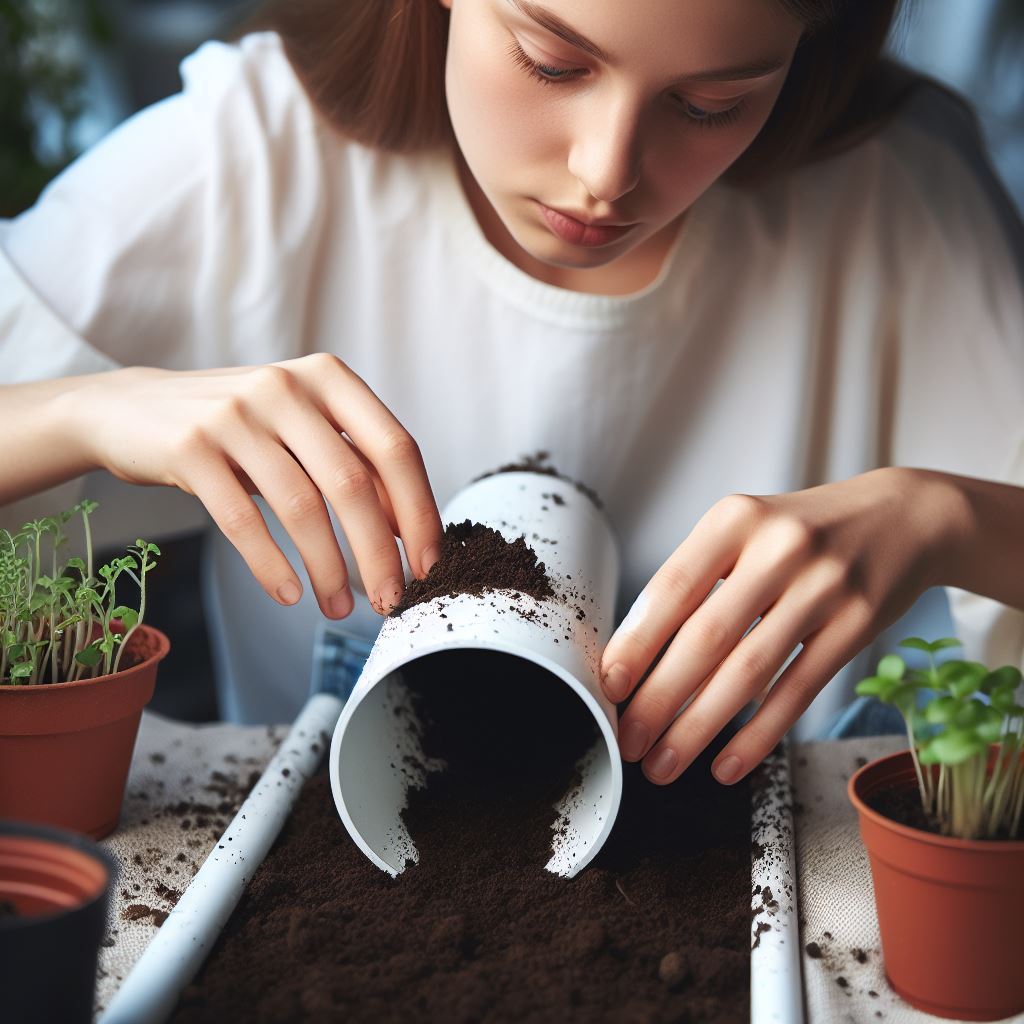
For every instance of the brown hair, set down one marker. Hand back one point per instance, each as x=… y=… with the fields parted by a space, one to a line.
x=375 y=70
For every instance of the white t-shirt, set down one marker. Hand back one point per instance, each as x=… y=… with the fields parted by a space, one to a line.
x=863 y=311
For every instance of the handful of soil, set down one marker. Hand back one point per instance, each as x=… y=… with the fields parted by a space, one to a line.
x=475 y=559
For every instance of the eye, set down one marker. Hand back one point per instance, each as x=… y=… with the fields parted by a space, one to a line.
x=709 y=118
x=552 y=74
x=697 y=113
x=544 y=73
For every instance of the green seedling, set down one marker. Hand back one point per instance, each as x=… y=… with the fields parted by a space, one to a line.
x=56 y=623
x=965 y=741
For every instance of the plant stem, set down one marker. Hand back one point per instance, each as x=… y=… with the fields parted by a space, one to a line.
x=924 y=789
x=141 y=581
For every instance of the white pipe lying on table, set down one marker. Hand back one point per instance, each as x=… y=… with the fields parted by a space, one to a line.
x=150 y=992
x=776 y=989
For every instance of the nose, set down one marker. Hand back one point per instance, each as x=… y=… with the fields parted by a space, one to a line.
x=605 y=151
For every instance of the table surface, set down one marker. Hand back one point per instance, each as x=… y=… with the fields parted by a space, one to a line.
x=186 y=782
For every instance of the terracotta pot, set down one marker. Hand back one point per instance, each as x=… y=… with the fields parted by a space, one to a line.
x=949 y=910
x=65 y=748
x=57 y=884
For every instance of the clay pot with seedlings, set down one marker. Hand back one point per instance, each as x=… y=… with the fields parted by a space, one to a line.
x=54 y=889
x=76 y=670
x=942 y=826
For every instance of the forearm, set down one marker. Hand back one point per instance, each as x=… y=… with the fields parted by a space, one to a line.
x=44 y=427
x=986 y=550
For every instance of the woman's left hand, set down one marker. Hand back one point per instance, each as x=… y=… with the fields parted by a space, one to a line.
x=829 y=568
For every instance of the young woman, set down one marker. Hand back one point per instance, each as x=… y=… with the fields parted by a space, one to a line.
x=747 y=281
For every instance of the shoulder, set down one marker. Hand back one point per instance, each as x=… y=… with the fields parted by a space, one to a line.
x=927 y=177
x=920 y=187
x=251 y=97
x=937 y=144
x=255 y=68
x=244 y=93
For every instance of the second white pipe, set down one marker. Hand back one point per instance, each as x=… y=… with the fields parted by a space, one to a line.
x=150 y=992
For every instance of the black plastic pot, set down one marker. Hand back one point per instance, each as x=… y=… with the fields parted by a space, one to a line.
x=54 y=889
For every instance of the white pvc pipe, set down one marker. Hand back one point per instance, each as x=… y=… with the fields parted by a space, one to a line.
x=375 y=754
x=150 y=992
x=776 y=989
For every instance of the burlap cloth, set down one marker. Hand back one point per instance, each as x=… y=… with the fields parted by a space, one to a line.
x=837 y=909
x=187 y=781
x=185 y=784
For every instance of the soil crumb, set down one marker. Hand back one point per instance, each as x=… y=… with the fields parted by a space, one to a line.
x=538 y=463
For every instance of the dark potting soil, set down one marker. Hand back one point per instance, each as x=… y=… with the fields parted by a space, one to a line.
x=655 y=929
x=538 y=463
x=475 y=559
x=903 y=805
x=141 y=646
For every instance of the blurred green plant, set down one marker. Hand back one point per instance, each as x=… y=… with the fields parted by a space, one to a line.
x=39 y=71
x=966 y=741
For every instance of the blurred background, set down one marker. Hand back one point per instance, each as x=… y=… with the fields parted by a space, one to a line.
x=71 y=70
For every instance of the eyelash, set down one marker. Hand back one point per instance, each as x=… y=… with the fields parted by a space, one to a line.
x=535 y=69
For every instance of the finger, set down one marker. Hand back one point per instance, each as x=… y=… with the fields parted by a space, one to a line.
x=299 y=506
x=382 y=494
x=335 y=468
x=743 y=675
x=707 y=638
x=677 y=589
x=382 y=439
x=238 y=517
x=823 y=656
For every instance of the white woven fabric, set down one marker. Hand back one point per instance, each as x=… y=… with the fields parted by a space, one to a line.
x=166 y=831
x=837 y=906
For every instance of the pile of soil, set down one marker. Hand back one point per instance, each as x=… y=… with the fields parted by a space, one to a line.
x=476 y=559
x=506 y=767
x=655 y=929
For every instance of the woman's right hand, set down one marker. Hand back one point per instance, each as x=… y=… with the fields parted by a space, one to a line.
x=224 y=435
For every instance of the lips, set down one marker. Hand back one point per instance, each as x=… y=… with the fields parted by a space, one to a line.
x=578 y=232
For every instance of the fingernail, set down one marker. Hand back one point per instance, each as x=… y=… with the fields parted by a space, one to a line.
x=616 y=682
x=633 y=741
x=341 y=603
x=390 y=594
x=430 y=557
x=663 y=764
x=289 y=592
x=727 y=770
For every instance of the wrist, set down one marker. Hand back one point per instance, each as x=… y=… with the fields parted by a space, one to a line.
x=45 y=424
x=72 y=413
x=945 y=521
x=984 y=549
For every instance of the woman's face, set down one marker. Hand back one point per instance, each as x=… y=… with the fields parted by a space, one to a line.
x=615 y=112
